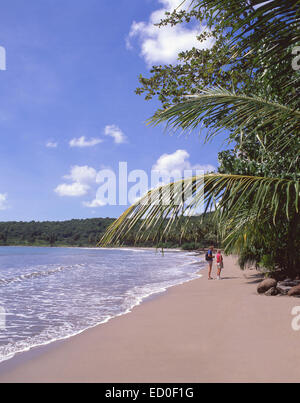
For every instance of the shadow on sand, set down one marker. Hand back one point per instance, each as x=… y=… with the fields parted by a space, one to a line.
x=254 y=278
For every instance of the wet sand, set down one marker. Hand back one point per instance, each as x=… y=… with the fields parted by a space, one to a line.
x=200 y=331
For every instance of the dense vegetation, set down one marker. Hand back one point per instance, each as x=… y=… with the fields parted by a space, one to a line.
x=57 y=233
x=195 y=233
x=88 y=232
x=245 y=89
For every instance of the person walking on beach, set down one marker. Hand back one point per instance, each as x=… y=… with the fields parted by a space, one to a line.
x=209 y=258
x=219 y=264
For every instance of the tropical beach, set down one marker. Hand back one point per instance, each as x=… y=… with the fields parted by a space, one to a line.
x=196 y=332
x=131 y=256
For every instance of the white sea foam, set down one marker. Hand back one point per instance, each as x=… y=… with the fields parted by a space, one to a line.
x=58 y=303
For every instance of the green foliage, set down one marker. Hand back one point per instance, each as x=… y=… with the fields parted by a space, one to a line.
x=267 y=261
x=246 y=116
x=197 y=232
x=243 y=88
x=88 y=232
x=57 y=233
x=248 y=45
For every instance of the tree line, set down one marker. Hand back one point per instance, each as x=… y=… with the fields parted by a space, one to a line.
x=85 y=232
x=88 y=232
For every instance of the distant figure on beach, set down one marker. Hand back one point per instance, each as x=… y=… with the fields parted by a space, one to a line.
x=209 y=258
x=220 y=264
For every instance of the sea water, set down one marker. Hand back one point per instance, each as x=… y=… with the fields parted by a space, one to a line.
x=49 y=294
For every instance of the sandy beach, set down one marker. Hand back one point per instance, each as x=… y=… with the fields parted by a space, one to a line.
x=200 y=331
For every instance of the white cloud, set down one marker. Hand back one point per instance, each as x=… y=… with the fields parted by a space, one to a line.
x=82 y=174
x=162 y=45
x=178 y=161
x=51 y=144
x=73 y=190
x=170 y=162
x=95 y=203
x=81 y=177
x=3 y=201
x=116 y=133
x=83 y=142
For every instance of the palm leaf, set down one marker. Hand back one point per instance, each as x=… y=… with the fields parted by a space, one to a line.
x=160 y=208
x=221 y=109
x=272 y=27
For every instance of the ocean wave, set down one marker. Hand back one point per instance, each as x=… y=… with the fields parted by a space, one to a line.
x=83 y=299
x=134 y=298
x=38 y=274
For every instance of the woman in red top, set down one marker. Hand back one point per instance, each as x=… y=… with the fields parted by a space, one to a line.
x=219 y=264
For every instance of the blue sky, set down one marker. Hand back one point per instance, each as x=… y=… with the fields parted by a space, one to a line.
x=68 y=107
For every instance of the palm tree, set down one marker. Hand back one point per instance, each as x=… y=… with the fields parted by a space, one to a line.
x=247 y=209
x=272 y=27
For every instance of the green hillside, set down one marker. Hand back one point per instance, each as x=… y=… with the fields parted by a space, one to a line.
x=87 y=232
x=54 y=233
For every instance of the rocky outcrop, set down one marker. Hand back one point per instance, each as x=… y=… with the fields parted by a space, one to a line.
x=272 y=292
x=294 y=291
x=266 y=285
x=283 y=288
x=287 y=287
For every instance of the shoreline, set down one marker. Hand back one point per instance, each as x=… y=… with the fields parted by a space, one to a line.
x=38 y=350
x=199 y=331
x=103 y=248
x=18 y=355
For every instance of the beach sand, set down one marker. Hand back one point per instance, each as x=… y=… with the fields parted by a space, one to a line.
x=200 y=331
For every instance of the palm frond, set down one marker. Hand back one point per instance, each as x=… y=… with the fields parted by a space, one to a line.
x=221 y=109
x=228 y=195
x=272 y=27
